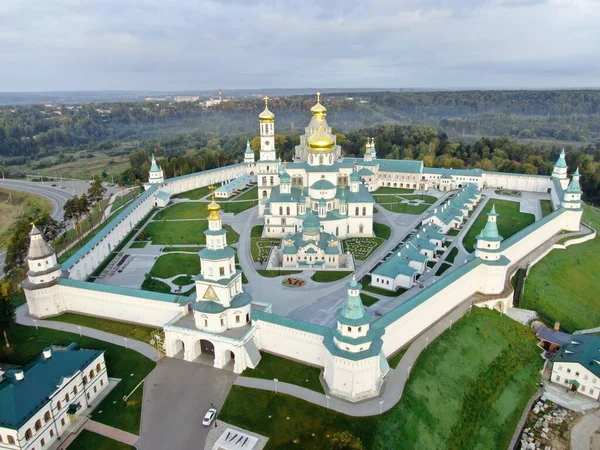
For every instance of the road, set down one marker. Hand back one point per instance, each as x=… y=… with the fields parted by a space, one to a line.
x=57 y=193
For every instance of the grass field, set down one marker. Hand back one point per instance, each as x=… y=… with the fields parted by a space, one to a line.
x=546 y=206
x=124 y=199
x=195 y=194
x=564 y=285
x=154 y=285
x=381 y=230
x=326 y=276
x=286 y=371
x=452 y=255
x=128 y=365
x=361 y=248
x=86 y=440
x=183 y=280
x=277 y=273
x=237 y=207
x=392 y=190
x=403 y=208
x=256 y=231
x=125 y=329
x=184 y=232
x=445 y=266
x=510 y=221
x=250 y=194
x=138 y=244
x=367 y=299
x=191 y=210
x=32 y=206
x=467 y=389
x=181 y=249
x=172 y=264
x=261 y=248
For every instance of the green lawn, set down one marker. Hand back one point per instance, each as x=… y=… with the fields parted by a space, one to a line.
x=195 y=194
x=277 y=273
x=192 y=210
x=288 y=422
x=381 y=230
x=181 y=249
x=468 y=389
x=393 y=190
x=452 y=255
x=237 y=207
x=510 y=221
x=367 y=287
x=256 y=231
x=185 y=232
x=453 y=232
x=367 y=299
x=326 y=276
x=546 y=207
x=126 y=329
x=287 y=371
x=402 y=208
x=395 y=360
x=442 y=269
x=154 y=285
x=564 y=285
x=124 y=199
x=172 y=264
x=250 y=194
x=86 y=440
x=183 y=280
x=260 y=248
x=138 y=244
x=130 y=366
x=361 y=248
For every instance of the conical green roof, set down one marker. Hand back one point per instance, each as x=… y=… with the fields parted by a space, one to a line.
x=353 y=310
x=248 y=149
x=154 y=167
x=574 y=187
x=561 y=162
x=490 y=231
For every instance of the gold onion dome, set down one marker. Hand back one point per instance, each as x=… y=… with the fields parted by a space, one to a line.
x=320 y=140
x=266 y=115
x=213 y=209
x=318 y=111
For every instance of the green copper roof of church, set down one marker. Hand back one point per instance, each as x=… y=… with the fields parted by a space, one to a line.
x=214 y=255
x=154 y=167
x=354 y=176
x=285 y=177
x=248 y=148
x=583 y=349
x=323 y=185
x=490 y=231
x=21 y=400
x=561 y=162
x=353 y=312
x=311 y=222
x=574 y=187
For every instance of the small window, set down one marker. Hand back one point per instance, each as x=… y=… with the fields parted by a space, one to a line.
x=576 y=374
x=359 y=329
x=43 y=442
x=58 y=405
x=47 y=416
x=11 y=440
x=557 y=379
x=101 y=382
x=38 y=425
x=568 y=370
x=221 y=271
x=67 y=397
x=62 y=421
x=75 y=390
x=51 y=433
x=349 y=329
x=237 y=319
x=222 y=322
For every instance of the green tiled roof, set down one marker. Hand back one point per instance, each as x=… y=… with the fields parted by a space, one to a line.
x=311 y=222
x=561 y=162
x=323 y=185
x=20 y=400
x=108 y=288
x=154 y=167
x=490 y=230
x=248 y=148
x=354 y=176
x=290 y=323
x=285 y=177
x=404 y=166
x=212 y=307
x=163 y=195
x=364 y=172
x=454 y=172
x=373 y=350
x=583 y=349
x=224 y=253
x=574 y=187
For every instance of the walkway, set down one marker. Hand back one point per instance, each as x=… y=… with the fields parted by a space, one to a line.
x=111 y=432
x=23 y=318
x=393 y=385
x=583 y=431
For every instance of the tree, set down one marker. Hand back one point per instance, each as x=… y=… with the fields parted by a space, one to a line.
x=7 y=312
x=345 y=440
x=96 y=191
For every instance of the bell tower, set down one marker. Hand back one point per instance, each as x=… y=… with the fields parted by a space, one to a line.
x=267 y=133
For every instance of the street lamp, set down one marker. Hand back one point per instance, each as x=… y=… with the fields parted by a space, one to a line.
x=426 y=340
x=125 y=339
x=327 y=397
x=408 y=372
x=381 y=407
x=275 y=380
x=79 y=328
x=35 y=323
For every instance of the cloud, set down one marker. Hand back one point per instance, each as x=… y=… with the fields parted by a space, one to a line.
x=201 y=44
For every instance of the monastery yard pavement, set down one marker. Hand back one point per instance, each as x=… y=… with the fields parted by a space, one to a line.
x=190 y=386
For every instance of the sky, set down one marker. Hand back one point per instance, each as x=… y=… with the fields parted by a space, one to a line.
x=49 y=45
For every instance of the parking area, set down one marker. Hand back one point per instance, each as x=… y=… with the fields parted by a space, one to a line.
x=177 y=394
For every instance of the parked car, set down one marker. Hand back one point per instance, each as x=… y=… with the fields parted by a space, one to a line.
x=209 y=417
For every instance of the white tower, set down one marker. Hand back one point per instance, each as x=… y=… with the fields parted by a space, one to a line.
x=156 y=173
x=368 y=156
x=248 y=154
x=572 y=195
x=488 y=241
x=267 y=133
x=560 y=170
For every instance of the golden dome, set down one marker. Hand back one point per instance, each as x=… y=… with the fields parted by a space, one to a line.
x=318 y=111
x=213 y=209
x=321 y=140
x=266 y=115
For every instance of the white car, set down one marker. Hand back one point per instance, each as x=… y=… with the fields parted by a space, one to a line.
x=209 y=417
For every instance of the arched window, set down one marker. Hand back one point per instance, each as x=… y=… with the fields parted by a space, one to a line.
x=67 y=397
x=75 y=390
x=264 y=194
x=281 y=210
x=356 y=211
x=98 y=367
x=287 y=211
x=321 y=159
x=58 y=405
x=11 y=440
x=38 y=424
x=28 y=434
x=271 y=180
x=264 y=180
x=47 y=416
x=361 y=228
x=91 y=374
x=364 y=210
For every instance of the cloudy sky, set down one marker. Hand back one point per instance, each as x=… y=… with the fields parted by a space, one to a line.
x=200 y=44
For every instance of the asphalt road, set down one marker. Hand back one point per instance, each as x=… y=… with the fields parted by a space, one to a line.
x=177 y=394
x=57 y=193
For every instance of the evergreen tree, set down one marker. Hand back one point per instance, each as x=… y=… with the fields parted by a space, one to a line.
x=7 y=312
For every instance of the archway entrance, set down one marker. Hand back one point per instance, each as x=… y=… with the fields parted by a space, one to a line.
x=179 y=349
x=207 y=347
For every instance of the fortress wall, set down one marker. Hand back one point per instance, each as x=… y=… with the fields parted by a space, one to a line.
x=201 y=179
x=290 y=343
x=519 y=182
x=534 y=238
x=122 y=307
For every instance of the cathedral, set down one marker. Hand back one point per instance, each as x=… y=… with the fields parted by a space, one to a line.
x=318 y=181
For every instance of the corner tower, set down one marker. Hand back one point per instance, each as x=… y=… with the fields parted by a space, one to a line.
x=488 y=241
x=156 y=175
x=560 y=170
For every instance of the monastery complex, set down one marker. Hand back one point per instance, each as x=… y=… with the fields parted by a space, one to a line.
x=312 y=204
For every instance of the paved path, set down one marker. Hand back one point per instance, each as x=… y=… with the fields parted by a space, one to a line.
x=394 y=382
x=111 y=432
x=23 y=318
x=584 y=429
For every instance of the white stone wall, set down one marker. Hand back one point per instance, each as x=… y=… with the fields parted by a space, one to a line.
x=519 y=182
x=291 y=343
x=353 y=380
x=564 y=372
